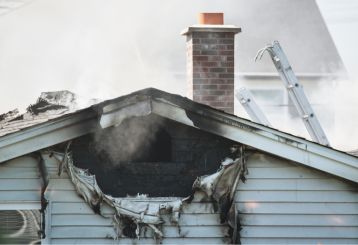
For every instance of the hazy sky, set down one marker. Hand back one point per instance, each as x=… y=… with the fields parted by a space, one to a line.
x=104 y=49
x=75 y=44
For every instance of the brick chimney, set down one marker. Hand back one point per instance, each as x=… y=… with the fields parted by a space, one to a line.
x=210 y=61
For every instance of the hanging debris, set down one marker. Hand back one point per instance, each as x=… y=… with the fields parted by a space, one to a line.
x=131 y=216
x=221 y=186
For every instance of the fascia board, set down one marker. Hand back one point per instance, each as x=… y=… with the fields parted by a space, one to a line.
x=265 y=139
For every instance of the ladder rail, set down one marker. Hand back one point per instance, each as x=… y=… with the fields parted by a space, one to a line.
x=295 y=92
x=246 y=99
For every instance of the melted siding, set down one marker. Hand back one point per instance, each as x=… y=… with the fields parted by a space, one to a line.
x=283 y=203
x=70 y=219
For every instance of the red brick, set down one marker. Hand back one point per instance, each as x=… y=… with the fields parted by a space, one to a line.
x=216 y=58
x=226 y=98
x=225 y=52
x=218 y=47
x=216 y=103
x=200 y=58
x=226 y=75
x=211 y=69
x=195 y=40
x=227 y=64
x=208 y=86
x=209 y=40
x=200 y=69
x=212 y=92
x=210 y=64
x=226 y=41
x=209 y=52
x=201 y=81
x=208 y=75
x=217 y=81
x=217 y=69
x=226 y=86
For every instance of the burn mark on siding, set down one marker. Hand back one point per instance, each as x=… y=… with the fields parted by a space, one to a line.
x=131 y=216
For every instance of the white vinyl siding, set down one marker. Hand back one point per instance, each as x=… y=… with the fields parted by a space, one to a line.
x=20 y=184
x=286 y=203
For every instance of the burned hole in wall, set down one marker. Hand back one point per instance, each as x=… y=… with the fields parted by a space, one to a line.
x=149 y=155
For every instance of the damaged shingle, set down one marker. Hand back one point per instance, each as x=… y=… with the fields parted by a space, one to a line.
x=42 y=106
x=8 y=116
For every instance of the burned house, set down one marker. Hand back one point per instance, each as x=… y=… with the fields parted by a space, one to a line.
x=158 y=167
x=153 y=167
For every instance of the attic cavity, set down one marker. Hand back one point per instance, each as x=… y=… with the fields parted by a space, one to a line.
x=150 y=155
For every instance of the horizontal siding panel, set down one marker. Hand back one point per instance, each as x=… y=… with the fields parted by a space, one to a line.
x=263 y=160
x=63 y=196
x=98 y=220
x=296 y=184
x=80 y=220
x=21 y=162
x=83 y=208
x=284 y=173
x=298 y=220
x=19 y=173
x=252 y=207
x=9 y=196
x=53 y=174
x=297 y=196
x=197 y=219
x=82 y=232
x=103 y=232
x=20 y=205
x=77 y=208
x=297 y=241
x=20 y=184
x=61 y=184
x=201 y=240
x=299 y=231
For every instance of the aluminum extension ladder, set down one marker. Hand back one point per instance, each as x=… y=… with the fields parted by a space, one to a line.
x=295 y=91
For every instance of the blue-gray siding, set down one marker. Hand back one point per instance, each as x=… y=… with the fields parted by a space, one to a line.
x=282 y=202
x=20 y=184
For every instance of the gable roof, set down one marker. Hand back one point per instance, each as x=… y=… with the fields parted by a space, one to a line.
x=184 y=111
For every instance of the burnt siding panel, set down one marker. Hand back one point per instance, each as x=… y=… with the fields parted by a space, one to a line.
x=284 y=203
x=168 y=231
x=72 y=221
x=178 y=240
